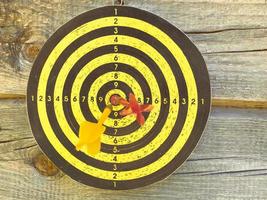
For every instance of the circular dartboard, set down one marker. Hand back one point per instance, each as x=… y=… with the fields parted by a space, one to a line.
x=119 y=50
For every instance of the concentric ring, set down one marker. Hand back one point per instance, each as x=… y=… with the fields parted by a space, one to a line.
x=138 y=170
x=110 y=94
x=99 y=82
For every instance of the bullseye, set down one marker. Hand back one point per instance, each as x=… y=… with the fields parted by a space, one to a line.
x=118 y=98
x=113 y=99
x=110 y=99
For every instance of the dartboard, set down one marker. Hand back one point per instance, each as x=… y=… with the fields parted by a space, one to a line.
x=119 y=50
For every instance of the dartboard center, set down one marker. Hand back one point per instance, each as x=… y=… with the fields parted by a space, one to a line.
x=113 y=99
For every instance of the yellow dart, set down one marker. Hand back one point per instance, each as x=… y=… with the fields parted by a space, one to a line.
x=90 y=133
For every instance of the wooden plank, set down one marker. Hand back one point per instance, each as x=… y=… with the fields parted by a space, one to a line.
x=219 y=1
x=20 y=181
x=204 y=16
x=189 y=16
x=239 y=76
x=234 y=52
x=230 y=41
x=230 y=162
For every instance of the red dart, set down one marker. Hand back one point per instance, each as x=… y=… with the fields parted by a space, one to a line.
x=132 y=107
x=116 y=100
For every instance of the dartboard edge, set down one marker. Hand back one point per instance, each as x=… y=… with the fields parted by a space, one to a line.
x=118 y=50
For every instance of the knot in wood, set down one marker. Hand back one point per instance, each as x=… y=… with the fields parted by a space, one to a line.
x=31 y=50
x=44 y=165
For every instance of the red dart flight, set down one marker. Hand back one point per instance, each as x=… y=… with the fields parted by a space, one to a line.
x=132 y=107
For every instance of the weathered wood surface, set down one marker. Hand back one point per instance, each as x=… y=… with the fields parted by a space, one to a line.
x=230 y=162
x=231 y=35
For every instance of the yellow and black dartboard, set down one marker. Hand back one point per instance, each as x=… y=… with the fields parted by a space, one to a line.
x=119 y=51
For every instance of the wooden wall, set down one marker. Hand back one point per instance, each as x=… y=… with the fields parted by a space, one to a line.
x=230 y=161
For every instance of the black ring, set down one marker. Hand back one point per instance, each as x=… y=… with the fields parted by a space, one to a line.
x=199 y=71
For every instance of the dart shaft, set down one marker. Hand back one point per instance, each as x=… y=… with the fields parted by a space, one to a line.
x=104 y=115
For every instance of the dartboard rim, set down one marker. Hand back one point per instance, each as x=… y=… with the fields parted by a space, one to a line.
x=186 y=150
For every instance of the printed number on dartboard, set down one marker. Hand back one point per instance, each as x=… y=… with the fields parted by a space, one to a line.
x=148 y=100
x=51 y=98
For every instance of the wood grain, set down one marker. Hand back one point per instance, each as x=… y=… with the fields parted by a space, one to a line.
x=232 y=37
x=239 y=103
x=230 y=162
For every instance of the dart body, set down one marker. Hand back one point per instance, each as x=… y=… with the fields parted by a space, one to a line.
x=132 y=107
x=90 y=133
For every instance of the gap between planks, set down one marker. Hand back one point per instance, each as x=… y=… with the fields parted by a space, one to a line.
x=239 y=103
x=216 y=102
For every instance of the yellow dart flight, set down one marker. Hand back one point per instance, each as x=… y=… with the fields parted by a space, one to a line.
x=90 y=133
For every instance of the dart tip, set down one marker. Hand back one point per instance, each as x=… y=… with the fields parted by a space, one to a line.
x=114 y=100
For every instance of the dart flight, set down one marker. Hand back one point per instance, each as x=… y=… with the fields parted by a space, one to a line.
x=90 y=134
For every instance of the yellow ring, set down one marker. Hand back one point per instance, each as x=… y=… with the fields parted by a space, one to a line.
x=187 y=72
x=99 y=61
x=108 y=139
x=115 y=92
x=93 y=107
